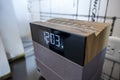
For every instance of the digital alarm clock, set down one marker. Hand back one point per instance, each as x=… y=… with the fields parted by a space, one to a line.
x=68 y=45
x=67 y=49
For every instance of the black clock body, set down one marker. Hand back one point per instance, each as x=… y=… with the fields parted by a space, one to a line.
x=68 y=45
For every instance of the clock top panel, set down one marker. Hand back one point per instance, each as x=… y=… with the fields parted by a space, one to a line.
x=78 y=27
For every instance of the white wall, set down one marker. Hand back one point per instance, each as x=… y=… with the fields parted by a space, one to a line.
x=4 y=65
x=67 y=7
x=9 y=30
x=114 y=10
x=22 y=16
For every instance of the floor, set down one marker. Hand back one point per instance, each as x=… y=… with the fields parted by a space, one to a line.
x=25 y=68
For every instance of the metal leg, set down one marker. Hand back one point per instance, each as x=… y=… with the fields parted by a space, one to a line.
x=112 y=70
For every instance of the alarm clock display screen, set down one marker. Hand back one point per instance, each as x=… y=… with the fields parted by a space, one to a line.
x=66 y=44
x=52 y=39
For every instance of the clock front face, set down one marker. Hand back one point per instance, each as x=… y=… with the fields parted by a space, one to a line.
x=52 y=39
x=65 y=44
